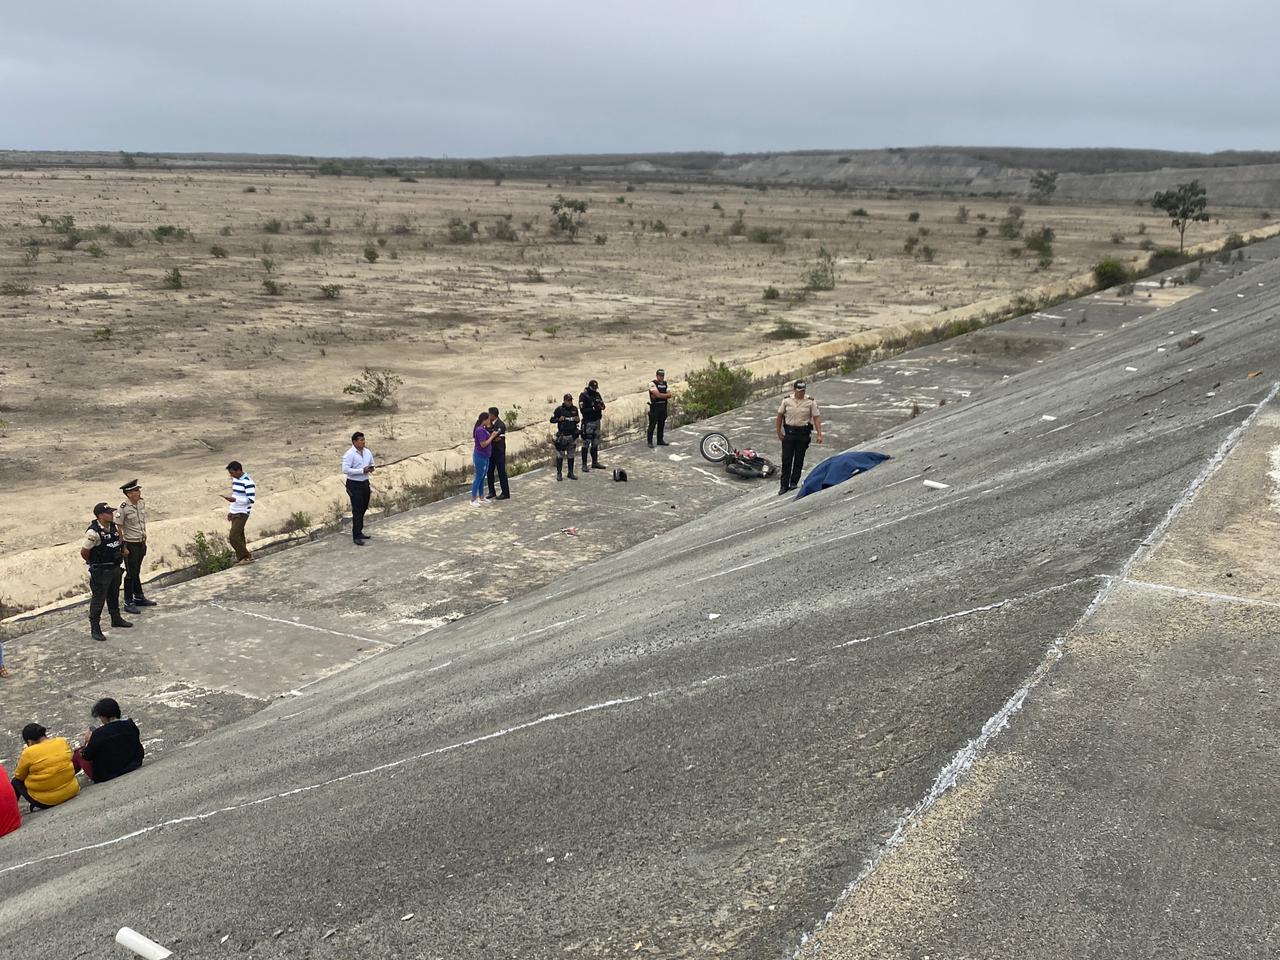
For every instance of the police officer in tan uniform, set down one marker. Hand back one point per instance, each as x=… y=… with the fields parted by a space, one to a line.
x=102 y=550
x=132 y=519
x=797 y=419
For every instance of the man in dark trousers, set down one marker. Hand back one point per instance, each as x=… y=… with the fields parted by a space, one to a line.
x=357 y=465
x=659 y=394
x=566 y=418
x=591 y=403
x=103 y=551
x=113 y=748
x=498 y=456
x=797 y=419
x=132 y=518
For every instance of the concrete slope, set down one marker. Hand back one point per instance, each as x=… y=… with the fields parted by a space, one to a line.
x=691 y=746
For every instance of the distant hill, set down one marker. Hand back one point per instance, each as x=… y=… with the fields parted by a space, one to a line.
x=1111 y=174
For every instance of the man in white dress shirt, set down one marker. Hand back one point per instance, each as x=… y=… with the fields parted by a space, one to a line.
x=357 y=464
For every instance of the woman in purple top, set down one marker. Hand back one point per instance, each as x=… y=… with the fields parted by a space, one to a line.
x=480 y=457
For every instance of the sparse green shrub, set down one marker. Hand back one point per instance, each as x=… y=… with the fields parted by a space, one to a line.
x=551 y=329
x=859 y=212
x=250 y=189
x=168 y=231
x=927 y=253
x=218 y=252
x=765 y=235
x=980 y=232
x=786 y=330
x=320 y=245
x=1147 y=244
x=458 y=230
x=909 y=245
x=371 y=253
x=738 y=228
x=173 y=279
x=209 y=553
x=716 y=205
x=330 y=291
x=224 y=231
x=1011 y=224
x=534 y=275
x=1110 y=273
x=502 y=230
x=715 y=388
x=272 y=226
x=102 y=333
x=375 y=388
x=94 y=250
x=913 y=216
x=268 y=263
x=567 y=214
x=600 y=239
x=15 y=288
x=298 y=520
x=962 y=214
x=771 y=293
x=822 y=275
x=273 y=287
x=1117 y=237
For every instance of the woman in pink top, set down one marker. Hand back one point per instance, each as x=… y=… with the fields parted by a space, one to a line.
x=480 y=457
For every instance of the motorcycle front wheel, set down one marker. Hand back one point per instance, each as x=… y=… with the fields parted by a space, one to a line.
x=714 y=447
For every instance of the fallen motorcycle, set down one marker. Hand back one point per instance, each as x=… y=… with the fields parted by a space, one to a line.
x=745 y=463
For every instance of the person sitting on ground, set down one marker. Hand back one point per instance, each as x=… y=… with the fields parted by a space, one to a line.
x=10 y=816
x=46 y=775
x=114 y=748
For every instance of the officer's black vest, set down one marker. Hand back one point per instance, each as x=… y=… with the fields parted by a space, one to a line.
x=566 y=427
x=662 y=388
x=109 y=551
x=589 y=401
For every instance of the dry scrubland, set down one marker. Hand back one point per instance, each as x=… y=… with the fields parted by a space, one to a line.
x=109 y=373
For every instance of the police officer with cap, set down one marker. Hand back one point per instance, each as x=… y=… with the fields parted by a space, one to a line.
x=132 y=516
x=659 y=394
x=591 y=403
x=103 y=550
x=566 y=418
x=797 y=419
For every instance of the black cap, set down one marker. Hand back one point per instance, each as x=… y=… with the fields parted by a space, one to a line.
x=800 y=385
x=131 y=485
x=568 y=396
x=592 y=384
x=101 y=508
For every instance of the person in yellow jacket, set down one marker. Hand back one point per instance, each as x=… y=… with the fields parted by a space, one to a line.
x=45 y=776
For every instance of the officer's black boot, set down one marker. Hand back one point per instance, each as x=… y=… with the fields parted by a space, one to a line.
x=560 y=468
x=585 y=468
x=95 y=630
x=572 y=475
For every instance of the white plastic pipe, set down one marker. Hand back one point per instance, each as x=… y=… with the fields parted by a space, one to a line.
x=144 y=947
x=935 y=485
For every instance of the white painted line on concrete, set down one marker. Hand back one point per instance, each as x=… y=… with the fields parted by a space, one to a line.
x=889 y=523
x=722 y=573
x=710 y=476
x=964 y=759
x=960 y=614
x=551 y=626
x=1203 y=594
x=427 y=754
x=1227 y=413
x=295 y=623
x=1068 y=426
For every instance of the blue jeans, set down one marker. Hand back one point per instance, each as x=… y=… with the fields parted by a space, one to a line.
x=482 y=470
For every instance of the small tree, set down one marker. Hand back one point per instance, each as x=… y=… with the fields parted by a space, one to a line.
x=1184 y=204
x=375 y=388
x=1043 y=184
x=822 y=275
x=567 y=215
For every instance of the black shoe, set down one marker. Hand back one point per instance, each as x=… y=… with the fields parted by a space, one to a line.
x=96 y=633
x=503 y=496
x=364 y=536
x=559 y=477
x=650 y=444
x=783 y=492
x=663 y=443
x=358 y=543
x=130 y=608
x=573 y=476
x=794 y=486
x=144 y=602
x=597 y=465
x=120 y=622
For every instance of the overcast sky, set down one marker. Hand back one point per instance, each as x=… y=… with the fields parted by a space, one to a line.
x=425 y=78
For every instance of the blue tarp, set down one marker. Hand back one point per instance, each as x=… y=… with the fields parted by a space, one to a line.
x=838 y=469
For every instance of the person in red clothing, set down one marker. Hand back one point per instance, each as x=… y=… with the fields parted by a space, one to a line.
x=10 y=818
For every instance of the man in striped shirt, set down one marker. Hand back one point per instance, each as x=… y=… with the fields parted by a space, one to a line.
x=243 y=493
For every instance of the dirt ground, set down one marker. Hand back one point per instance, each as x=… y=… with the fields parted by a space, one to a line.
x=109 y=374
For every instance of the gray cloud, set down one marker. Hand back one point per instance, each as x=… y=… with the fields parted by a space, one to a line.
x=411 y=78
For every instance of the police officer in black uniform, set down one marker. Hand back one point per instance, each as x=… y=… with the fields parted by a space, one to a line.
x=591 y=403
x=103 y=551
x=659 y=394
x=566 y=419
